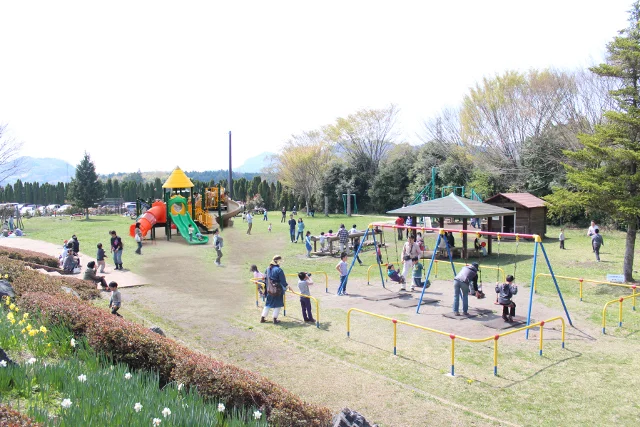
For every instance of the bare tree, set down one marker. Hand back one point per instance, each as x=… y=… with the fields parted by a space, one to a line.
x=365 y=136
x=10 y=161
x=443 y=128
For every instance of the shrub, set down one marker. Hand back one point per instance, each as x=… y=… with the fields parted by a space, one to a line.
x=30 y=256
x=11 y=418
x=142 y=349
x=26 y=280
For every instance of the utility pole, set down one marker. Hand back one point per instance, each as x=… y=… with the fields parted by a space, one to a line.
x=230 y=180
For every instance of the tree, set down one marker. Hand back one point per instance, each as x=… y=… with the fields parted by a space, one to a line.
x=10 y=162
x=606 y=177
x=389 y=188
x=365 y=137
x=85 y=190
x=302 y=162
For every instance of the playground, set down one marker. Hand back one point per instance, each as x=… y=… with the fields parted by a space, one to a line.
x=214 y=310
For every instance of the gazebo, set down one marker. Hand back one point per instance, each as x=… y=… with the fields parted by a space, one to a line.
x=457 y=207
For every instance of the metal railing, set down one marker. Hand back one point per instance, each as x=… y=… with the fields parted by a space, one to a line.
x=453 y=337
x=620 y=301
x=326 y=278
x=581 y=281
x=504 y=276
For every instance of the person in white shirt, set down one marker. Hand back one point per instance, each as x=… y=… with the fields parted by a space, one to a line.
x=592 y=229
x=249 y=222
x=356 y=242
x=409 y=251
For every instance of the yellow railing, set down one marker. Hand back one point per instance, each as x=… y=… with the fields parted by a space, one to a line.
x=453 y=337
x=375 y=265
x=303 y=296
x=620 y=301
x=597 y=282
x=256 y=281
x=326 y=278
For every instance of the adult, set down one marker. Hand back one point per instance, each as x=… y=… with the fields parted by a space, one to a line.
x=592 y=229
x=300 y=234
x=265 y=215
x=284 y=215
x=292 y=229
x=409 y=250
x=400 y=223
x=343 y=239
x=91 y=276
x=116 y=248
x=356 y=242
x=76 y=244
x=217 y=244
x=138 y=237
x=11 y=223
x=275 y=274
x=466 y=277
x=294 y=210
x=249 y=222
x=596 y=242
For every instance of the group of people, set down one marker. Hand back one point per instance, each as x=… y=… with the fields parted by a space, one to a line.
x=596 y=239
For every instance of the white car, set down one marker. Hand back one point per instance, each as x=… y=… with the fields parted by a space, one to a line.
x=28 y=210
x=51 y=208
x=63 y=208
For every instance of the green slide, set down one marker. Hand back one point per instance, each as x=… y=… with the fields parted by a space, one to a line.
x=181 y=218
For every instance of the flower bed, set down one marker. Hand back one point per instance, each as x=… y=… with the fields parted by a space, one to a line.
x=24 y=280
x=140 y=348
x=9 y=417
x=30 y=256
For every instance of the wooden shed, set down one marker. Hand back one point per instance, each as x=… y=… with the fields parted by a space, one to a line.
x=530 y=213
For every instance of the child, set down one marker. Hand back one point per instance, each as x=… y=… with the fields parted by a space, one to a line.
x=417 y=274
x=323 y=241
x=420 y=241
x=217 y=244
x=116 y=299
x=190 y=233
x=483 y=248
x=393 y=274
x=305 y=303
x=561 y=238
x=307 y=244
x=260 y=284
x=341 y=267
x=379 y=253
x=505 y=292
x=269 y=224
x=100 y=258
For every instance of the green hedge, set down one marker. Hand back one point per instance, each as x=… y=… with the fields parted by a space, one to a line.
x=140 y=348
x=30 y=256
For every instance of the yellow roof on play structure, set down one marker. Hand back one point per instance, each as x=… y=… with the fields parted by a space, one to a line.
x=177 y=179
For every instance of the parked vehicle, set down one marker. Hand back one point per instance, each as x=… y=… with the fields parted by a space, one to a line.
x=63 y=208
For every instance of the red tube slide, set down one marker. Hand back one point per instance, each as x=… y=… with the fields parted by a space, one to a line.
x=157 y=214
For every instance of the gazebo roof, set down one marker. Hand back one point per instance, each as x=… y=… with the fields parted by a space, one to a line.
x=452 y=206
x=177 y=179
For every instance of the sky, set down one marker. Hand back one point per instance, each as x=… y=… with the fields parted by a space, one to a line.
x=151 y=85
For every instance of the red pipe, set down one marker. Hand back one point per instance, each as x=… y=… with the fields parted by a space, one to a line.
x=484 y=233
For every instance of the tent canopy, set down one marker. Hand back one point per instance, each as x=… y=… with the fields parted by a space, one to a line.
x=452 y=206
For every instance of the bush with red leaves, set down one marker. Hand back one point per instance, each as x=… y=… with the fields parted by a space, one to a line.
x=11 y=418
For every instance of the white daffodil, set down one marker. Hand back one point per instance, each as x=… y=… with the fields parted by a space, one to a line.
x=82 y=378
x=66 y=403
x=137 y=407
x=31 y=361
x=166 y=412
x=156 y=421
x=127 y=376
x=73 y=342
x=3 y=363
x=180 y=386
x=220 y=407
x=257 y=415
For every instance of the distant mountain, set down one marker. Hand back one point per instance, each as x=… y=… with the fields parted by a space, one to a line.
x=255 y=164
x=43 y=170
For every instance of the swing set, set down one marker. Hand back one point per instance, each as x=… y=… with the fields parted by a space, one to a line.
x=441 y=237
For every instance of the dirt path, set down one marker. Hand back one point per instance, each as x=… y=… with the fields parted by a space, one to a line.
x=210 y=308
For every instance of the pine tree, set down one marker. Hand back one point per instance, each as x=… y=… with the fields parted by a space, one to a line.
x=605 y=176
x=85 y=190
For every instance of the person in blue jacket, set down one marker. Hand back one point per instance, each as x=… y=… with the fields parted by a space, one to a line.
x=276 y=275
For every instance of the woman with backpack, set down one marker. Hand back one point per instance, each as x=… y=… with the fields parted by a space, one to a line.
x=276 y=287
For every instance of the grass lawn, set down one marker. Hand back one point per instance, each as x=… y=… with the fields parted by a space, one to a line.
x=589 y=383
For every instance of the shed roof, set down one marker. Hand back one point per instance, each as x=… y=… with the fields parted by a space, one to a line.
x=527 y=200
x=177 y=179
x=452 y=206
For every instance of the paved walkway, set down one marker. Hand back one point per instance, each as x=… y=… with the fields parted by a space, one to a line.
x=124 y=278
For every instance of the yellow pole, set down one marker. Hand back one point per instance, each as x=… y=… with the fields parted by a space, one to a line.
x=633 y=292
x=620 y=313
x=349 y=323
x=453 y=354
x=581 y=289
x=317 y=314
x=495 y=354
x=541 y=332
x=395 y=335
